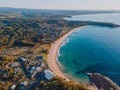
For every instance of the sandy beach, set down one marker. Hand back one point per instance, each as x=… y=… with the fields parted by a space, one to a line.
x=53 y=55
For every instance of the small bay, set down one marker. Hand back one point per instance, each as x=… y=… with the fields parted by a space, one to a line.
x=92 y=49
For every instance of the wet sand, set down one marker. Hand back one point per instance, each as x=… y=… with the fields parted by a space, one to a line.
x=53 y=56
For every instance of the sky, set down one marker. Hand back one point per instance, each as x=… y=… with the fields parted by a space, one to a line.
x=63 y=4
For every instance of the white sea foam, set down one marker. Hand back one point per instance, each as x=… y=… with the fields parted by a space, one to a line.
x=67 y=40
x=78 y=30
x=63 y=44
x=59 y=54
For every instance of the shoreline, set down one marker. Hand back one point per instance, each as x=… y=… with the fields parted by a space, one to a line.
x=53 y=55
x=53 y=64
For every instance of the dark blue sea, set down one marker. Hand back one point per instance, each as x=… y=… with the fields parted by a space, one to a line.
x=92 y=49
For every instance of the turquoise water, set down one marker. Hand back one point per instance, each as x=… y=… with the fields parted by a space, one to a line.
x=92 y=50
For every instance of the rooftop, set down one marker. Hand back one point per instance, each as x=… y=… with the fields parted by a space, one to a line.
x=48 y=74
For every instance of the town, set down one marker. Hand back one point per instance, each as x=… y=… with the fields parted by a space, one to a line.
x=25 y=72
x=25 y=39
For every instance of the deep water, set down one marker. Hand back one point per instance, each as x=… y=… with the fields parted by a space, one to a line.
x=91 y=50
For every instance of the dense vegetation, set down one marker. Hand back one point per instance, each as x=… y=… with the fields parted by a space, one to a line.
x=30 y=30
x=24 y=31
x=24 y=27
x=60 y=84
x=27 y=31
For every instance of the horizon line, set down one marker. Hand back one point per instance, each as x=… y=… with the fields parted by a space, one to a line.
x=63 y=9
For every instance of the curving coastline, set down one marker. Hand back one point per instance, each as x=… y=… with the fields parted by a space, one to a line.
x=54 y=65
x=102 y=82
x=53 y=55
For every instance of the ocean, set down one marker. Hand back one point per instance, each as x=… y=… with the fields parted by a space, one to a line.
x=92 y=49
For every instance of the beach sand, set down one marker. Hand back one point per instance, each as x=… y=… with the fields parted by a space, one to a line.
x=53 y=56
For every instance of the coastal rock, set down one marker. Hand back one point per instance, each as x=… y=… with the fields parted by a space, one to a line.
x=102 y=82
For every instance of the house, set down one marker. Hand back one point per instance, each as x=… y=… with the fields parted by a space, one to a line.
x=40 y=58
x=23 y=85
x=39 y=69
x=42 y=65
x=13 y=87
x=23 y=59
x=32 y=71
x=15 y=64
x=18 y=69
x=48 y=75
